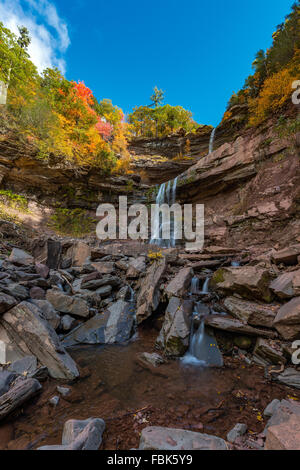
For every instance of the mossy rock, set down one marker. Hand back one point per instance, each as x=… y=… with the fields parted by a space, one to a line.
x=175 y=347
x=243 y=342
x=218 y=277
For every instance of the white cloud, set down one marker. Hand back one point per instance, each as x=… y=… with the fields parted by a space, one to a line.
x=49 y=33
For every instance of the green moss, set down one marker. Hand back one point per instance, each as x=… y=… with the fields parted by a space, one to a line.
x=13 y=200
x=218 y=277
x=76 y=222
x=175 y=347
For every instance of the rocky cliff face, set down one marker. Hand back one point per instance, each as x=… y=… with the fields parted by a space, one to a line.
x=175 y=145
x=53 y=181
x=250 y=188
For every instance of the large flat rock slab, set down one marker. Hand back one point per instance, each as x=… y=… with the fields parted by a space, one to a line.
x=156 y=438
x=149 y=296
x=250 y=282
x=235 y=326
x=26 y=327
x=253 y=313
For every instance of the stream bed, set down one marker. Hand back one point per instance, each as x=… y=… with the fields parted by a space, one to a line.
x=129 y=397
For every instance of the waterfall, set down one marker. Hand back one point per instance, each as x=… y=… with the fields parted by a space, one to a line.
x=174 y=190
x=166 y=195
x=205 y=288
x=203 y=350
x=235 y=264
x=195 y=285
x=211 y=140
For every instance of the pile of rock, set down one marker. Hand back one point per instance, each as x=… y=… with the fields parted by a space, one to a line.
x=60 y=296
x=263 y=303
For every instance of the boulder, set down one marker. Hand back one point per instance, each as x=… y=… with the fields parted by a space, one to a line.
x=251 y=282
x=93 y=284
x=290 y=377
x=6 y=379
x=288 y=256
x=80 y=252
x=268 y=352
x=9 y=351
x=287 y=321
x=80 y=435
x=238 y=431
x=67 y=304
x=37 y=293
x=48 y=312
x=47 y=251
x=235 y=326
x=6 y=302
x=20 y=258
x=17 y=291
x=175 y=333
x=149 y=296
x=282 y=413
x=25 y=366
x=156 y=438
x=113 y=326
x=104 y=291
x=42 y=270
x=271 y=408
x=136 y=267
x=284 y=436
x=287 y=285
x=153 y=359
x=104 y=267
x=181 y=283
x=67 y=323
x=253 y=313
x=26 y=328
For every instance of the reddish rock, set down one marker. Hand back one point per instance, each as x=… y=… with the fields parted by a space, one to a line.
x=42 y=270
x=181 y=283
x=288 y=256
x=79 y=252
x=284 y=436
x=37 y=293
x=251 y=282
x=287 y=321
x=287 y=285
x=104 y=267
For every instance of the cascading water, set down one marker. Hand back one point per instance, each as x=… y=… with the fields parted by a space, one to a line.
x=212 y=140
x=235 y=264
x=166 y=195
x=195 y=285
x=205 y=288
x=203 y=350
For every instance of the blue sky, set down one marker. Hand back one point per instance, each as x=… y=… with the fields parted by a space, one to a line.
x=198 y=52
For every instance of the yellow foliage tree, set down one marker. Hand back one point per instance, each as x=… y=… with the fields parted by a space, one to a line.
x=277 y=90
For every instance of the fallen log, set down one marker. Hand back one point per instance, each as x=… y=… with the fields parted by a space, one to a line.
x=17 y=395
